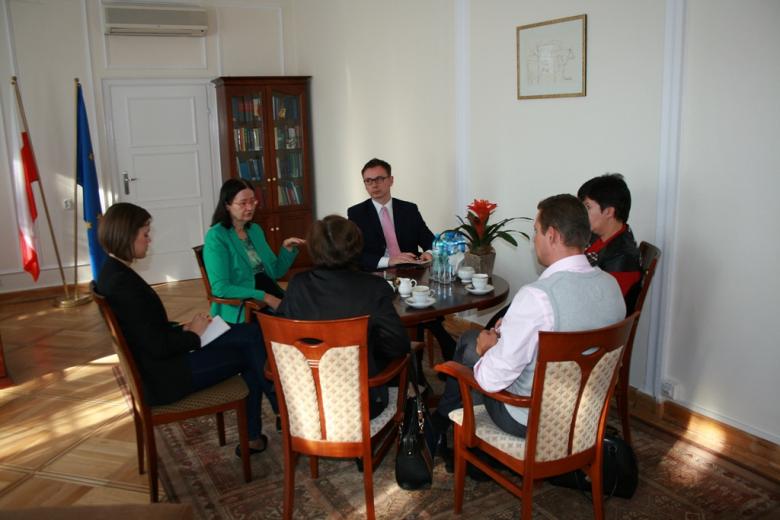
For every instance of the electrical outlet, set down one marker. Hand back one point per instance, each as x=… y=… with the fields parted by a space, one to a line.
x=67 y=203
x=667 y=389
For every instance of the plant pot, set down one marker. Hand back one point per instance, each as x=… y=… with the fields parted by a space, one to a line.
x=482 y=263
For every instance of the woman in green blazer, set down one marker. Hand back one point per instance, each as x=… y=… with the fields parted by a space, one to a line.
x=239 y=261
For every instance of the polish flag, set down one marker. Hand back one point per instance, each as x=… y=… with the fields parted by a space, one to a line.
x=25 y=172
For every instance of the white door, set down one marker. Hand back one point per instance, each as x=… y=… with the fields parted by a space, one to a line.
x=162 y=149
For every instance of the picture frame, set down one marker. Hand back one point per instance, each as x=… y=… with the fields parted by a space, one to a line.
x=552 y=58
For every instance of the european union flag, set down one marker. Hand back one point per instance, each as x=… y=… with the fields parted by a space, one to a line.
x=86 y=177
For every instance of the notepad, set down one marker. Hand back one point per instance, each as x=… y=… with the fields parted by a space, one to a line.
x=216 y=328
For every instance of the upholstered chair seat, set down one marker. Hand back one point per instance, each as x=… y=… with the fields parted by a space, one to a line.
x=574 y=378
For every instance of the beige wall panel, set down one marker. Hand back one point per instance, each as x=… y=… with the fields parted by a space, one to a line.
x=251 y=41
x=722 y=348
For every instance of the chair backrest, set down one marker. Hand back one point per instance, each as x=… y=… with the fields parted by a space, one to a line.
x=574 y=378
x=248 y=305
x=126 y=361
x=206 y=283
x=649 y=255
x=320 y=370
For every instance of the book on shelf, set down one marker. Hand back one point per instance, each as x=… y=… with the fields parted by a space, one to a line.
x=289 y=193
x=285 y=107
x=243 y=170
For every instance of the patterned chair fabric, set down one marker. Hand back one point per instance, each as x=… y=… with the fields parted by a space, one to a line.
x=487 y=430
x=561 y=386
x=340 y=384
x=223 y=392
x=320 y=370
x=593 y=401
x=572 y=382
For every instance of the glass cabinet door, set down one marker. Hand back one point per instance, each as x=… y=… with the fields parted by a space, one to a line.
x=248 y=143
x=288 y=149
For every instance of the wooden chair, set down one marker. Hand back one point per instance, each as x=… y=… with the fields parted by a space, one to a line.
x=320 y=370
x=649 y=256
x=227 y=395
x=573 y=381
x=250 y=306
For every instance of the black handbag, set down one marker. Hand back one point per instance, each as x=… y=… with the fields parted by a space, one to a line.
x=416 y=441
x=620 y=473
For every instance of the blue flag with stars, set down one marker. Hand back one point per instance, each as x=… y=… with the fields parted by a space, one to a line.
x=86 y=177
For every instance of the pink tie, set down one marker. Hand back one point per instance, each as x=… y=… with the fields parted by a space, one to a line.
x=389 y=232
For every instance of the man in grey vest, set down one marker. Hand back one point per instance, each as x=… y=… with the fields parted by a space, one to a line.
x=569 y=295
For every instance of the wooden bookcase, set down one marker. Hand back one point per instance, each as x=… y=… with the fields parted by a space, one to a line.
x=264 y=137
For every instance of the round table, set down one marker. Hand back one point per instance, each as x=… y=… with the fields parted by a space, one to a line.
x=450 y=298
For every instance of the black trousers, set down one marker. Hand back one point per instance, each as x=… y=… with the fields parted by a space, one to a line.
x=466 y=354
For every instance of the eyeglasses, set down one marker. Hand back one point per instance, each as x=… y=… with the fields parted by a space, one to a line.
x=246 y=203
x=368 y=181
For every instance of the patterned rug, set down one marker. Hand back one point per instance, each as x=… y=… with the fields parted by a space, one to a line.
x=677 y=480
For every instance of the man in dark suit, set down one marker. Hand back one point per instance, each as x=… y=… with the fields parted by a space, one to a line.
x=393 y=233
x=404 y=225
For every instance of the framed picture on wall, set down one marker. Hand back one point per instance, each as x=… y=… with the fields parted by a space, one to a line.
x=551 y=58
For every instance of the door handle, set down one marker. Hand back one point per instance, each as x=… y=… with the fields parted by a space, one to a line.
x=126 y=181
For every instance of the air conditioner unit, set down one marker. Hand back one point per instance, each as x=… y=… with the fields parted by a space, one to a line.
x=147 y=20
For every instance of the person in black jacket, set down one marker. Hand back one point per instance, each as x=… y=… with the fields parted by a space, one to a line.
x=612 y=246
x=171 y=361
x=396 y=241
x=336 y=289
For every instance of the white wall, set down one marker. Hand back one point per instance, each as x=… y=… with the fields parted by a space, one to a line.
x=523 y=151
x=382 y=87
x=722 y=346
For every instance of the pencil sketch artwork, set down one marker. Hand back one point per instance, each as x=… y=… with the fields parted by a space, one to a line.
x=547 y=63
x=551 y=58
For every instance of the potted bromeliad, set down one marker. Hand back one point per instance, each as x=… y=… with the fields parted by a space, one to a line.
x=480 y=234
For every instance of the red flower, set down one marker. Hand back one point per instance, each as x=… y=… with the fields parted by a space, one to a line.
x=479 y=213
x=479 y=233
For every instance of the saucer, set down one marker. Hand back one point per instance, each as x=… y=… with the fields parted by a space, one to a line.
x=411 y=303
x=465 y=281
x=470 y=288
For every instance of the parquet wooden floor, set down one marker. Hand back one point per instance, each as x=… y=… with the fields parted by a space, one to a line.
x=66 y=436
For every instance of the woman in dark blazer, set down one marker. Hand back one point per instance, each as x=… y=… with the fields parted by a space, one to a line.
x=169 y=355
x=239 y=261
x=336 y=289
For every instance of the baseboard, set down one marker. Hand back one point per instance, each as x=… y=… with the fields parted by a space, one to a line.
x=742 y=448
x=31 y=295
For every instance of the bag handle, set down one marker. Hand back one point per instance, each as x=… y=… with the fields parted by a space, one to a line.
x=415 y=386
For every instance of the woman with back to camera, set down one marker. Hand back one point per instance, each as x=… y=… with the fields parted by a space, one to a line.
x=239 y=261
x=171 y=361
x=336 y=289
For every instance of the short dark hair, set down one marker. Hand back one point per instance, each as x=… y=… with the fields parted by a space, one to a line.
x=118 y=227
x=373 y=163
x=608 y=191
x=335 y=242
x=227 y=193
x=568 y=216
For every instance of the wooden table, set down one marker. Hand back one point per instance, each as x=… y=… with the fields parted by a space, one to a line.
x=450 y=298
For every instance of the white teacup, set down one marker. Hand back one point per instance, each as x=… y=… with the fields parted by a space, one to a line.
x=465 y=273
x=421 y=294
x=479 y=281
x=405 y=286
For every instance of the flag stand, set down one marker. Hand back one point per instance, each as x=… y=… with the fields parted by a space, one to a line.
x=75 y=299
x=23 y=116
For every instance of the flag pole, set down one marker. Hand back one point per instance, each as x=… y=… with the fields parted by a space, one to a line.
x=23 y=116
x=76 y=300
